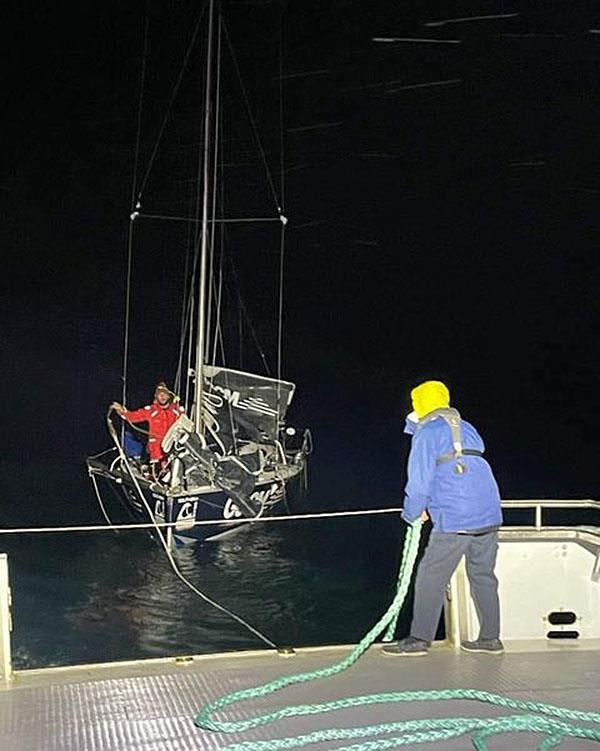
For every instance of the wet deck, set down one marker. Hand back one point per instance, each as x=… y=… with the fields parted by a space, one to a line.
x=149 y=706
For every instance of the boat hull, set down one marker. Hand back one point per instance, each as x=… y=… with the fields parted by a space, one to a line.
x=185 y=509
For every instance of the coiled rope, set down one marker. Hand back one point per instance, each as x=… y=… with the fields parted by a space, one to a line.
x=555 y=723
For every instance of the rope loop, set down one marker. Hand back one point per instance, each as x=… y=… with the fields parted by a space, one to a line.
x=552 y=722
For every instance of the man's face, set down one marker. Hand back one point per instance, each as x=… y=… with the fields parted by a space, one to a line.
x=162 y=396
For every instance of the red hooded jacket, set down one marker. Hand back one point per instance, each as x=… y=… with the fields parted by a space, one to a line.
x=159 y=421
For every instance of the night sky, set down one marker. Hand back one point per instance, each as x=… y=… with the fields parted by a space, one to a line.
x=441 y=231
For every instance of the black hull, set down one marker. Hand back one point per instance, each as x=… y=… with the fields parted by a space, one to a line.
x=185 y=509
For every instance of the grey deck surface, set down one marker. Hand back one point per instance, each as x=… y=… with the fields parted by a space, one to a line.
x=150 y=706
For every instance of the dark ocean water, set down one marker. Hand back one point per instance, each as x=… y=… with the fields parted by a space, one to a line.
x=80 y=598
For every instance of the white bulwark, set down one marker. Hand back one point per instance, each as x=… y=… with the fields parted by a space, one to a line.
x=549 y=584
x=5 y=622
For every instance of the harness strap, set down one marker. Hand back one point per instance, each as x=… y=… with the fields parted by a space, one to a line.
x=452 y=419
x=451 y=455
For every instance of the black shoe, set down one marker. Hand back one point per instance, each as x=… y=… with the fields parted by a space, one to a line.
x=408 y=647
x=489 y=646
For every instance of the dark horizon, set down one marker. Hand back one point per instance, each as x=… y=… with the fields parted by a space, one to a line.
x=445 y=231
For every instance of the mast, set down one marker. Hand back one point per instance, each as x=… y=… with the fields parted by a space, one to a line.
x=201 y=313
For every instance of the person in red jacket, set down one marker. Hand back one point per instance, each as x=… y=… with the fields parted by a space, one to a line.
x=159 y=415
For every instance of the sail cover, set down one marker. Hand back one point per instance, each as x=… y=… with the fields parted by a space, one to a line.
x=244 y=405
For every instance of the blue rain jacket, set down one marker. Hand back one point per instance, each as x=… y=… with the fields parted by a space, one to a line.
x=455 y=502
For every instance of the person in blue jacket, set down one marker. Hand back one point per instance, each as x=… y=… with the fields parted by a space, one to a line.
x=450 y=482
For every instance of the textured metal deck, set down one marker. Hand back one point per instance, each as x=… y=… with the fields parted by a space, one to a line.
x=150 y=706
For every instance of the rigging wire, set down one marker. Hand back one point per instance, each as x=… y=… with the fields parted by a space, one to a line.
x=192 y=220
x=252 y=120
x=134 y=176
x=218 y=335
x=207 y=154
x=187 y=309
x=247 y=316
x=174 y=92
x=217 y=120
x=184 y=305
x=283 y=225
x=190 y=353
x=280 y=316
x=281 y=149
x=217 y=125
x=136 y=204
x=101 y=504
x=136 y=212
x=232 y=429
x=195 y=222
x=214 y=220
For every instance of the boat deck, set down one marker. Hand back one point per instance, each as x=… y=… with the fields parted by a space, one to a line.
x=150 y=705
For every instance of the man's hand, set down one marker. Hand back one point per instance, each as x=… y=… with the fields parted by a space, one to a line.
x=422 y=519
x=118 y=408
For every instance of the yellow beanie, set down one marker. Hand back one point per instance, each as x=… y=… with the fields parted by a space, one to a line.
x=428 y=396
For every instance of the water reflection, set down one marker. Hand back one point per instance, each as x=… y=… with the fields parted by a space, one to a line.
x=95 y=598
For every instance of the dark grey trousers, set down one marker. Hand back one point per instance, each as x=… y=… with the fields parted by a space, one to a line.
x=442 y=556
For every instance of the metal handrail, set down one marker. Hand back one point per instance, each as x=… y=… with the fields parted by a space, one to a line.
x=550 y=503
x=539 y=504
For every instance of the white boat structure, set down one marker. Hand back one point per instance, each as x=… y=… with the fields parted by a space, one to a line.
x=550 y=601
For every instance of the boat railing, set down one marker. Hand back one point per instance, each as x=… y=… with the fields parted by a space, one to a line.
x=540 y=505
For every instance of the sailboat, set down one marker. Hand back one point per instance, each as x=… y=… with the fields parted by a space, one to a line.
x=234 y=458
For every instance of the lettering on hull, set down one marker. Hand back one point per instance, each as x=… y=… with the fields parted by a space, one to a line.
x=230 y=510
x=268 y=496
x=186 y=515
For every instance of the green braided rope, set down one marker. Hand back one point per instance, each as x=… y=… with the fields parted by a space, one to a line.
x=541 y=718
x=402 y=575
x=411 y=548
x=424 y=731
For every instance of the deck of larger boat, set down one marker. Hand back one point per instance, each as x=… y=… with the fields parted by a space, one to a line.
x=550 y=600
x=150 y=705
